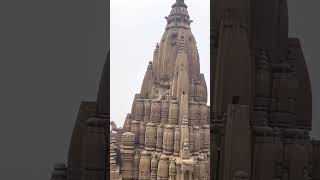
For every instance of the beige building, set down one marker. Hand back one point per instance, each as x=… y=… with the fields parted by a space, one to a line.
x=167 y=135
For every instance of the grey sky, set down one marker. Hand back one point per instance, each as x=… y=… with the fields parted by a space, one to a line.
x=304 y=24
x=136 y=27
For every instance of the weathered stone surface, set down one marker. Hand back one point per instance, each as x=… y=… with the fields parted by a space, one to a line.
x=155 y=111
x=160 y=133
x=168 y=140
x=163 y=168
x=136 y=162
x=135 y=126
x=151 y=137
x=176 y=145
x=142 y=131
x=154 y=166
x=147 y=111
x=127 y=155
x=173 y=112
x=145 y=165
x=164 y=114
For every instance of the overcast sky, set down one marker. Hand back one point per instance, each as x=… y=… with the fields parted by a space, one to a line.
x=303 y=23
x=136 y=27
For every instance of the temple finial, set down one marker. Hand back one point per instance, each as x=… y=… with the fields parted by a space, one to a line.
x=180 y=3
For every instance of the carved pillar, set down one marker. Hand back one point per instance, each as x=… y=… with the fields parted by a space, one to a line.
x=191 y=139
x=136 y=161
x=164 y=111
x=135 y=126
x=184 y=108
x=172 y=169
x=174 y=85
x=197 y=138
x=193 y=114
x=173 y=112
x=179 y=172
x=154 y=167
x=263 y=89
x=145 y=165
x=139 y=110
x=127 y=155
x=168 y=140
x=155 y=111
x=151 y=137
x=206 y=138
x=198 y=91
x=163 y=168
x=160 y=133
x=203 y=114
x=176 y=145
x=202 y=167
x=114 y=170
x=196 y=173
x=184 y=132
x=147 y=111
x=283 y=101
x=142 y=134
x=206 y=160
x=201 y=130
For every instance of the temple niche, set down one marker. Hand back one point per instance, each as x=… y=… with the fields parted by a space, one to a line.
x=168 y=125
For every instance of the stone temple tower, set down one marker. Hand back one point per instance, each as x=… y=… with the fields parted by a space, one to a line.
x=166 y=135
x=262 y=103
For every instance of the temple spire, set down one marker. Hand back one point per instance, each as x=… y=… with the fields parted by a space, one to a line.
x=180 y=3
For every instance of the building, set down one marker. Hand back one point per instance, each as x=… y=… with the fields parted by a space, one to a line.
x=261 y=117
x=167 y=135
x=257 y=127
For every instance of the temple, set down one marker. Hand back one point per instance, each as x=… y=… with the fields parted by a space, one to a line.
x=261 y=112
x=166 y=135
x=257 y=128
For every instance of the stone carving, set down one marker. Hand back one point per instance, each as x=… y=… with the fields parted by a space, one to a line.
x=151 y=137
x=163 y=168
x=136 y=162
x=142 y=131
x=185 y=153
x=176 y=145
x=154 y=166
x=172 y=169
x=160 y=138
x=168 y=140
